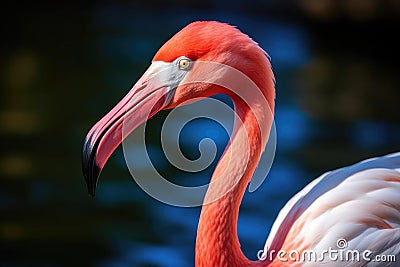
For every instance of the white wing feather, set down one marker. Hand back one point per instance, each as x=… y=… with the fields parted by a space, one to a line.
x=359 y=203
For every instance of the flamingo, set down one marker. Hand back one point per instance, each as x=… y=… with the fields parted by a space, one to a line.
x=355 y=208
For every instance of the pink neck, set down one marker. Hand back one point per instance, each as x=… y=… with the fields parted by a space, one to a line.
x=217 y=242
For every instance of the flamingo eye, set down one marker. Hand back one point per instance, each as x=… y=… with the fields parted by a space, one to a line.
x=184 y=63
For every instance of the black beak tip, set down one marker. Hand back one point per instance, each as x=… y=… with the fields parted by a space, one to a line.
x=91 y=183
x=91 y=170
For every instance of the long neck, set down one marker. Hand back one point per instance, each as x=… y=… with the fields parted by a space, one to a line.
x=217 y=242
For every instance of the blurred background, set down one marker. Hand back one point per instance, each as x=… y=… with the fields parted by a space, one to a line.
x=63 y=65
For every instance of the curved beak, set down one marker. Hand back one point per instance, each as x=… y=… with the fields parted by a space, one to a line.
x=151 y=93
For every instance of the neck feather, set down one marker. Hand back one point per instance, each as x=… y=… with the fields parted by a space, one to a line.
x=217 y=242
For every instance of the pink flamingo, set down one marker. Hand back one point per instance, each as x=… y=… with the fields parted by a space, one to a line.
x=353 y=208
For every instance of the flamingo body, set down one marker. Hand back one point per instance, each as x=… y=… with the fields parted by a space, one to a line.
x=359 y=204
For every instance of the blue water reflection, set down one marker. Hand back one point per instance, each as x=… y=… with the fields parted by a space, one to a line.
x=383 y=133
x=294 y=127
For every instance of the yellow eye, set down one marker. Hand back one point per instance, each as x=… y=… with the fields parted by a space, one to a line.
x=184 y=64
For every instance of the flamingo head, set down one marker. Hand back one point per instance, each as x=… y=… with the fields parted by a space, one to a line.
x=163 y=85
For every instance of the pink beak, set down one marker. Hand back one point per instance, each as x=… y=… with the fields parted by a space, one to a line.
x=150 y=94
